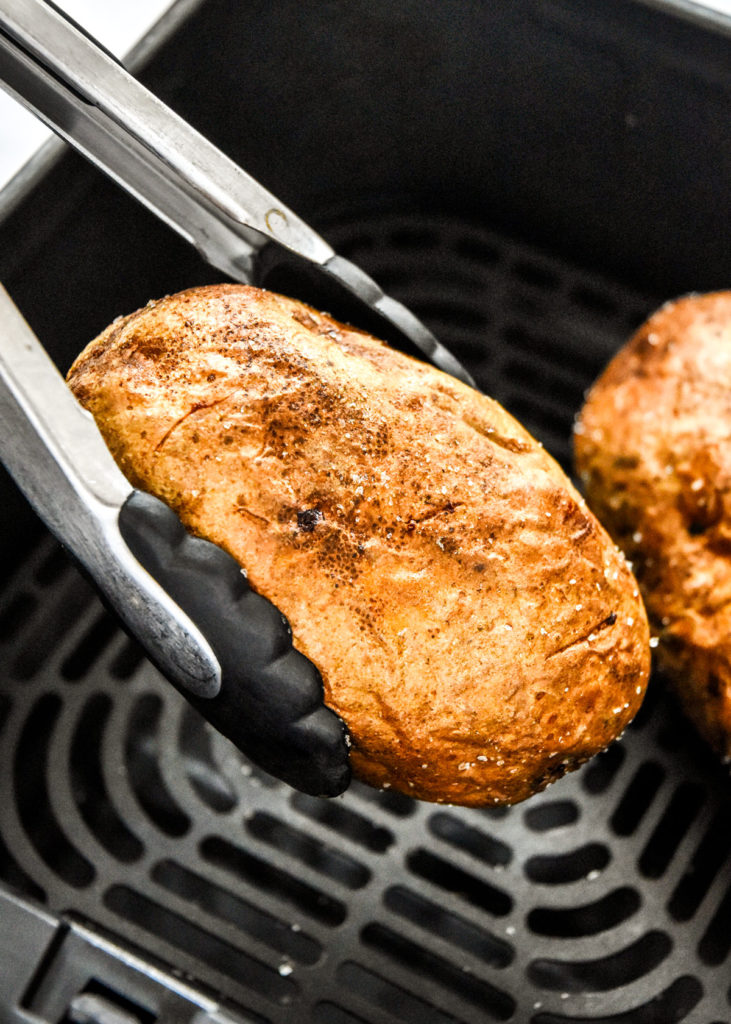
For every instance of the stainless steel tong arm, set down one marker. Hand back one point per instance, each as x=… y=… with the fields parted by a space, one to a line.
x=86 y=96
x=53 y=449
x=225 y=647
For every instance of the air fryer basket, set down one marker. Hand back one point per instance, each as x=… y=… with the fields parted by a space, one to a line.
x=529 y=179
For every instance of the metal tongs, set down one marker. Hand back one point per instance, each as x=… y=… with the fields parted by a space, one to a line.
x=225 y=647
x=88 y=98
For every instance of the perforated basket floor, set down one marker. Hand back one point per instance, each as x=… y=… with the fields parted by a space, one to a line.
x=607 y=898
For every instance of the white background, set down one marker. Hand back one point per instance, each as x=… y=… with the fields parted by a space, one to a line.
x=118 y=26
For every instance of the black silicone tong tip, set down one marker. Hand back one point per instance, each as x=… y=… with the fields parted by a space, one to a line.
x=270 y=704
x=347 y=293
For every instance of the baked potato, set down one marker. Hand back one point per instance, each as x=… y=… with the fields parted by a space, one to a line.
x=653 y=449
x=473 y=623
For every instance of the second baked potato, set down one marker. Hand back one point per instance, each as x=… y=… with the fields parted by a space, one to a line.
x=653 y=447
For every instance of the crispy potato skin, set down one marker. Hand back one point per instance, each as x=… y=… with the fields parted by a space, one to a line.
x=653 y=447
x=473 y=623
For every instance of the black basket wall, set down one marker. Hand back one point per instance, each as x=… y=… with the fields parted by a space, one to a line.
x=533 y=179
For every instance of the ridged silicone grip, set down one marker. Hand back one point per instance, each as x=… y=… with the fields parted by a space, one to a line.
x=271 y=700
